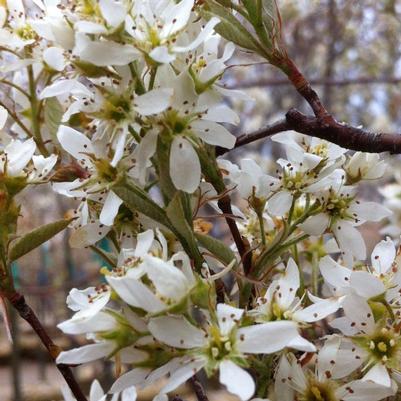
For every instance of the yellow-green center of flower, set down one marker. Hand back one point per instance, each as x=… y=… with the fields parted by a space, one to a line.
x=319 y=391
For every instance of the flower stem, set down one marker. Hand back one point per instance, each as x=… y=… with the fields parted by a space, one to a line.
x=35 y=115
x=18 y=302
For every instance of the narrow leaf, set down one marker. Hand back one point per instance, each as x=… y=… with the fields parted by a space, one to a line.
x=217 y=248
x=53 y=112
x=176 y=214
x=138 y=200
x=36 y=237
x=229 y=27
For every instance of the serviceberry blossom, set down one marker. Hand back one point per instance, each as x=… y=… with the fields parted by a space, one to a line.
x=242 y=268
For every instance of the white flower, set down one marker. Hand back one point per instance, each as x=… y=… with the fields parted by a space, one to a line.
x=280 y=302
x=378 y=342
x=16 y=157
x=294 y=382
x=96 y=393
x=113 y=333
x=221 y=346
x=341 y=212
x=189 y=120
x=158 y=29
x=172 y=284
x=364 y=166
x=100 y=173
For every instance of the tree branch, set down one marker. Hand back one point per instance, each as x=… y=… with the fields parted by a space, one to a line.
x=341 y=134
x=198 y=389
x=316 y=82
x=224 y=204
x=18 y=302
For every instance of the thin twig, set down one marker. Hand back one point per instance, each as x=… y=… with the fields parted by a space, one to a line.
x=18 y=302
x=341 y=82
x=342 y=134
x=198 y=389
x=224 y=204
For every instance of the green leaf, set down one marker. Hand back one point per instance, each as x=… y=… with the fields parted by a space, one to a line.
x=217 y=248
x=229 y=27
x=163 y=168
x=53 y=112
x=138 y=200
x=36 y=237
x=176 y=214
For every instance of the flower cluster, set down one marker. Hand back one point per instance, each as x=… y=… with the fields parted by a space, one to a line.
x=119 y=105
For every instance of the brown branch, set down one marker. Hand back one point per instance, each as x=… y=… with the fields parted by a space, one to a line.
x=198 y=389
x=18 y=302
x=316 y=82
x=341 y=134
x=224 y=204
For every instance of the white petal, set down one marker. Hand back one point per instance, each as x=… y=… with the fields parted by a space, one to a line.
x=181 y=375
x=54 y=57
x=144 y=242
x=185 y=168
x=110 y=209
x=153 y=102
x=254 y=341
x=378 y=374
x=75 y=143
x=176 y=332
x=205 y=33
x=129 y=394
x=344 y=324
x=301 y=344
x=366 y=285
x=3 y=116
x=162 y=55
x=237 y=380
x=88 y=235
x=213 y=133
x=349 y=239
x=89 y=27
x=315 y=225
x=176 y=17
x=113 y=12
x=100 y=322
x=131 y=378
x=365 y=391
x=227 y=316
x=222 y=114
x=169 y=281
x=62 y=87
x=288 y=285
x=280 y=203
x=104 y=53
x=370 y=211
x=383 y=256
x=281 y=385
x=333 y=273
x=87 y=353
x=135 y=293
x=96 y=391
x=19 y=154
x=317 y=311
x=358 y=311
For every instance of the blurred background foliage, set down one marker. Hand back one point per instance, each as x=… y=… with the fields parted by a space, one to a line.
x=350 y=51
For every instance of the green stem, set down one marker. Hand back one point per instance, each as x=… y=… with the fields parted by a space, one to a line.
x=34 y=110
x=17 y=119
x=153 y=72
x=15 y=86
x=103 y=255
x=262 y=228
x=315 y=273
